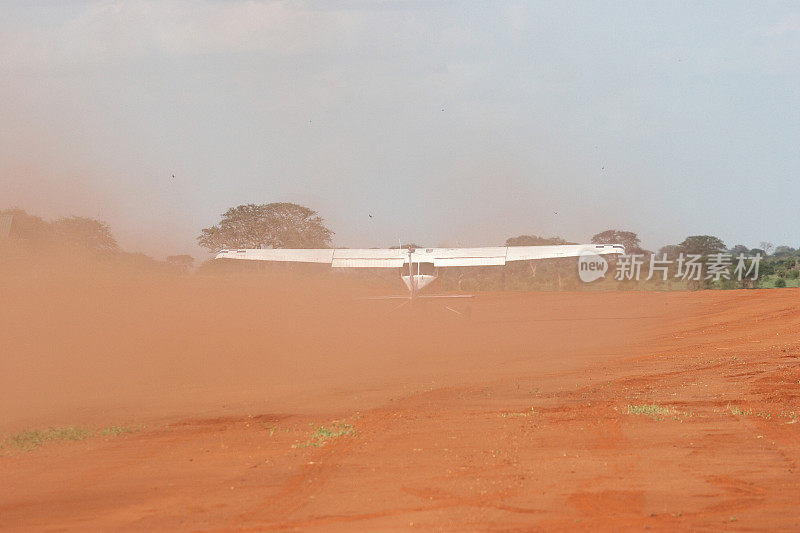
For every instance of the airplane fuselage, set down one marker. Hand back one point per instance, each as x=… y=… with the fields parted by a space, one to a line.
x=419 y=281
x=417 y=273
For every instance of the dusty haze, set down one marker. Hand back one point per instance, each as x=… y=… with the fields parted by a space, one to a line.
x=460 y=124
x=520 y=417
x=94 y=341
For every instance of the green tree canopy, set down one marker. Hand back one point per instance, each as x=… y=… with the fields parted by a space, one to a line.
x=671 y=251
x=739 y=249
x=784 y=251
x=534 y=240
x=628 y=239
x=277 y=225
x=702 y=244
x=406 y=246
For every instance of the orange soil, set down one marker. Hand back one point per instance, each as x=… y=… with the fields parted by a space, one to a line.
x=516 y=418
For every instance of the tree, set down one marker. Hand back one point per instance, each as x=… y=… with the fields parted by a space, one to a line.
x=534 y=240
x=739 y=249
x=27 y=228
x=628 y=239
x=5 y=224
x=139 y=261
x=702 y=244
x=783 y=251
x=767 y=247
x=181 y=262
x=277 y=225
x=672 y=251
x=554 y=273
x=87 y=233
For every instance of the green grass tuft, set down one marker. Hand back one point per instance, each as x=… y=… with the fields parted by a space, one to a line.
x=30 y=439
x=322 y=434
x=523 y=414
x=654 y=411
x=739 y=412
x=33 y=438
x=113 y=431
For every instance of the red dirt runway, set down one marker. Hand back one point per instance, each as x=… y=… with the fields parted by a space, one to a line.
x=516 y=419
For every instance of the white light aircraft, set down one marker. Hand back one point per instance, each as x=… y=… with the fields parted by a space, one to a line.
x=419 y=266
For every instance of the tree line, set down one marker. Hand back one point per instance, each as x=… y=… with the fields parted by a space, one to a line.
x=289 y=225
x=286 y=225
x=33 y=238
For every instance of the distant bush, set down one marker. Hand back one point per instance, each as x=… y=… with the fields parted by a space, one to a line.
x=726 y=284
x=793 y=274
x=780 y=283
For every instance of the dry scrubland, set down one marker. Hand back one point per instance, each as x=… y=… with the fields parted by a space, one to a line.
x=158 y=401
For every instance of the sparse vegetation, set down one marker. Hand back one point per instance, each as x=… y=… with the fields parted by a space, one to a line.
x=749 y=412
x=30 y=439
x=523 y=414
x=113 y=431
x=656 y=412
x=321 y=435
x=738 y=412
x=793 y=416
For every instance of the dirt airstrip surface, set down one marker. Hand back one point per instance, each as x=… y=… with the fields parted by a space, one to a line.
x=256 y=405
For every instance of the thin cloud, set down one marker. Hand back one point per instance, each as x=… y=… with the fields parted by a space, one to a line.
x=110 y=31
x=789 y=24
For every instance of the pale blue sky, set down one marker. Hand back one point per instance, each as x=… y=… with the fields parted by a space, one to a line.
x=451 y=123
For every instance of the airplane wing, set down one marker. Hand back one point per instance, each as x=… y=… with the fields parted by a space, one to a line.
x=486 y=256
x=440 y=257
x=526 y=253
x=339 y=258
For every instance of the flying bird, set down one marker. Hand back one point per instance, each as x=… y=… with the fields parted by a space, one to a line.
x=370 y=216
x=173 y=176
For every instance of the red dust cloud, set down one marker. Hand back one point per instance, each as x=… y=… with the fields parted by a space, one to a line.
x=281 y=400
